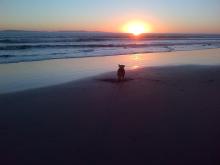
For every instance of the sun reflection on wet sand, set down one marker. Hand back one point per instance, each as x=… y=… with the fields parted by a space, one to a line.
x=20 y=76
x=136 y=57
x=135 y=67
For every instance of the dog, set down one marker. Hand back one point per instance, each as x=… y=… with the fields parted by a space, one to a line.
x=121 y=72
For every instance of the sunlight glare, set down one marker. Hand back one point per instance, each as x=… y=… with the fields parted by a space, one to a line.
x=136 y=28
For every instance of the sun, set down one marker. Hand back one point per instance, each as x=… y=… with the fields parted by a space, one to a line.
x=136 y=28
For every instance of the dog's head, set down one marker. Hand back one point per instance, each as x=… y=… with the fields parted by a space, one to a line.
x=121 y=66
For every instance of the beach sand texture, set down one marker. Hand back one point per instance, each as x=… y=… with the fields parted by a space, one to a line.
x=159 y=115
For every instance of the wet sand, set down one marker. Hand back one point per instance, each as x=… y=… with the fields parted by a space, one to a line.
x=159 y=115
x=29 y=75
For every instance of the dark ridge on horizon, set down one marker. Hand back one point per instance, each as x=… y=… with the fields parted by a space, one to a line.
x=76 y=31
x=20 y=30
x=87 y=31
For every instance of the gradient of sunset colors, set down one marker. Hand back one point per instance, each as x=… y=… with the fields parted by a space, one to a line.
x=160 y=16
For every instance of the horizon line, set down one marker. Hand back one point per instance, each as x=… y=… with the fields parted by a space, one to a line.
x=88 y=31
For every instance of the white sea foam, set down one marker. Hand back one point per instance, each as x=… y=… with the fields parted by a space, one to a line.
x=35 y=46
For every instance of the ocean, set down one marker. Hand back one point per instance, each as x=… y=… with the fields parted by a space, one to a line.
x=22 y=46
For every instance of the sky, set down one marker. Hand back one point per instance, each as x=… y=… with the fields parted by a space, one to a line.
x=164 y=16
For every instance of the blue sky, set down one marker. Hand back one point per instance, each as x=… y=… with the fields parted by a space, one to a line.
x=108 y=15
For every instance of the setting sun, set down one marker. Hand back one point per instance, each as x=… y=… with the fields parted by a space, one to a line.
x=136 y=28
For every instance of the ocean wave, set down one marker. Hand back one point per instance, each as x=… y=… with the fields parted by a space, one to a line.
x=96 y=37
x=7 y=56
x=97 y=53
x=24 y=47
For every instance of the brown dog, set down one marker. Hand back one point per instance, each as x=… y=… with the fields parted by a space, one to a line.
x=121 y=72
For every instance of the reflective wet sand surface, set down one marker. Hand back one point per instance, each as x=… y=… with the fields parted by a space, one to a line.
x=22 y=76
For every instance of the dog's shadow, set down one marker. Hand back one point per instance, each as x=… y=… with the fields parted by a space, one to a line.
x=114 y=80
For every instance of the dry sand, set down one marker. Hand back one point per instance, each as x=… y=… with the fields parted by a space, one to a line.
x=159 y=115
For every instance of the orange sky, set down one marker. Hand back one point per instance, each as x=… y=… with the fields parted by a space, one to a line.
x=170 y=16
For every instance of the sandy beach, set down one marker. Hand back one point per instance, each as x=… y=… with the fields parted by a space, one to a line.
x=109 y=82
x=159 y=115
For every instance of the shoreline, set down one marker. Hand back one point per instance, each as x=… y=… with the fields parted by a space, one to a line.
x=29 y=75
x=160 y=113
x=126 y=54
x=109 y=77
